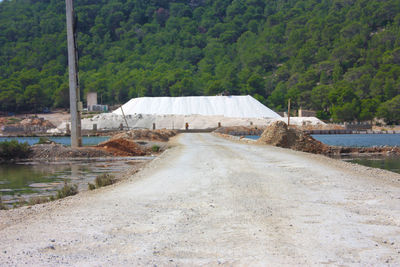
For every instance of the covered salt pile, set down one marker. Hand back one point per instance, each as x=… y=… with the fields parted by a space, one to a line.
x=227 y=106
x=199 y=112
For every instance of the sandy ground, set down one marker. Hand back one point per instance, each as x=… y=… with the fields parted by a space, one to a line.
x=211 y=201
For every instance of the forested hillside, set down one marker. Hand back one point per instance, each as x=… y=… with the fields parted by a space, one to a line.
x=339 y=57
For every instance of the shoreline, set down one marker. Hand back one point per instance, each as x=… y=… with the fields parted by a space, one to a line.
x=332 y=150
x=132 y=165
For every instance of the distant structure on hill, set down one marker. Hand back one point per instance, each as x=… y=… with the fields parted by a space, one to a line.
x=228 y=106
x=306 y=113
x=92 y=105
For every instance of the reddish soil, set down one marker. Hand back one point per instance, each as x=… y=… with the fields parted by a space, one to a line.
x=123 y=147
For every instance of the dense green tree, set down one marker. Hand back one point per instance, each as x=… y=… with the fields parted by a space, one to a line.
x=340 y=58
x=390 y=110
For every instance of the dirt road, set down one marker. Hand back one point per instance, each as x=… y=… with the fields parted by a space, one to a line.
x=210 y=201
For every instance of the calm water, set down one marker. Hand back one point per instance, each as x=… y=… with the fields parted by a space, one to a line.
x=391 y=163
x=254 y=137
x=27 y=180
x=64 y=140
x=354 y=140
x=359 y=140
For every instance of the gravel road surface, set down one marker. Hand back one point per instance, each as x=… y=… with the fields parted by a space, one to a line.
x=211 y=201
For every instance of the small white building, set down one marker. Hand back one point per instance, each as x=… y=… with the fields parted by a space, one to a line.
x=92 y=105
x=91 y=99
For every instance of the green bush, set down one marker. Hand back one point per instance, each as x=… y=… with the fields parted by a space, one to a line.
x=155 y=148
x=67 y=190
x=13 y=150
x=104 y=180
x=390 y=110
x=20 y=203
x=91 y=186
x=38 y=200
x=2 y=206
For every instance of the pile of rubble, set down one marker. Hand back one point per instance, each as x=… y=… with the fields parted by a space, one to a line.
x=240 y=130
x=386 y=150
x=131 y=143
x=161 y=135
x=123 y=147
x=57 y=151
x=279 y=134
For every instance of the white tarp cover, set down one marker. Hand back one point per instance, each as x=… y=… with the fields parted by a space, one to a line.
x=228 y=106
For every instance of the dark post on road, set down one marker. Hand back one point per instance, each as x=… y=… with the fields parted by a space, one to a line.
x=74 y=95
x=288 y=115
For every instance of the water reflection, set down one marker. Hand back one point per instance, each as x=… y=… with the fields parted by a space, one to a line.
x=30 y=179
x=390 y=163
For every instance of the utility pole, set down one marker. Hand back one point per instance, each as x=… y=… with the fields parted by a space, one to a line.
x=123 y=114
x=74 y=95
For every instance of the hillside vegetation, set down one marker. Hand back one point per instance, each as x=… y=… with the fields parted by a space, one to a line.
x=339 y=57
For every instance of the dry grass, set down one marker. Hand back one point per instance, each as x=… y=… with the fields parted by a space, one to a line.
x=104 y=180
x=38 y=200
x=67 y=190
x=2 y=206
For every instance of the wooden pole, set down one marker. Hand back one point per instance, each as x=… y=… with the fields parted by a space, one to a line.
x=288 y=116
x=74 y=95
x=123 y=114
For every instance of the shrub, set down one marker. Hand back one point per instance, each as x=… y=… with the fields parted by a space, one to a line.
x=38 y=200
x=14 y=150
x=67 y=190
x=20 y=203
x=2 y=206
x=155 y=148
x=104 y=180
x=91 y=186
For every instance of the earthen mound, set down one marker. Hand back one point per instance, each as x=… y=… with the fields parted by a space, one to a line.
x=240 y=130
x=162 y=135
x=278 y=134
x=57 y=151
x=123 y=147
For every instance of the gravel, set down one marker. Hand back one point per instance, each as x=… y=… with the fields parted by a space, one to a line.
x=210 y=201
